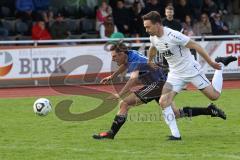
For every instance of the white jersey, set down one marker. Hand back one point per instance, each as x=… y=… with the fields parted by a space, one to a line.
x=172 y=46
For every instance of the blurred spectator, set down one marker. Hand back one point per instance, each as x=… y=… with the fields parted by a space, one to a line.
x=3 y=31
x=222 y=5
x=130 y=3
x=209 y=7
x=48 y=17
x=182 y=9
x=154 y=5
x=188 y=26
x=219 y=27
x=121 y=18
x=92 y=3
x=113 y=4
x=236 y=6
x=103 y=11
x=73 y=8
x=203 y=27
x=107 y=28
x=196 y=6
x=41 y=5
x=169 y=21
x=59 y=28
x=39 y=30
x=137 y=27
x=233 y=22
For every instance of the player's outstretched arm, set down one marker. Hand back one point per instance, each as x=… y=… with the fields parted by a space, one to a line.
x=194 y=45
x=130 y=83
x=120 y=70
x=152 y=51
x=151 y=54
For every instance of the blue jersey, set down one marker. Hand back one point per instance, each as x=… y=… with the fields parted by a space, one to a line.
x=147 y=75
x=135 y=59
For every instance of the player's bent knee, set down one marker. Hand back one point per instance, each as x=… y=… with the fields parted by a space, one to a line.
x=163 y=102
x=124 y=105
x=214 y=97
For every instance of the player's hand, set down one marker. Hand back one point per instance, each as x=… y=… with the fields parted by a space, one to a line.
x=113 y=97
x=216 y=65
x=106 y=80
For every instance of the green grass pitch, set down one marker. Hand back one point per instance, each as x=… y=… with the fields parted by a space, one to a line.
x=23 y=135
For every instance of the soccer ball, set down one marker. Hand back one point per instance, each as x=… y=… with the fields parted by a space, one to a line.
x=42 y=106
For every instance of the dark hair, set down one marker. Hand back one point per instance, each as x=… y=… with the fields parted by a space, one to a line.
x=153 y=16
x=119 y=46
x=170 y=7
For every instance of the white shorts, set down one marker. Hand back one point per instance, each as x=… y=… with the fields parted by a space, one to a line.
x=200 y=81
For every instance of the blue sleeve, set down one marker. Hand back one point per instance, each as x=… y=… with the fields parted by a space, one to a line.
x=133 y=67
x=135 y=60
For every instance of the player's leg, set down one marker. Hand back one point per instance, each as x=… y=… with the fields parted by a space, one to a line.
x=217 y=80
x=128 y=102
x=211 y=110
x=203 y=84
x=177 y=111
x=121 y=117
x=143 y=95
x=188 y=111
x=213 y=91
x=153 y=92
x=170 y=89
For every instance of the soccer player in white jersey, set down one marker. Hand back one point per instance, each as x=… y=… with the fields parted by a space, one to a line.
x=175 y=47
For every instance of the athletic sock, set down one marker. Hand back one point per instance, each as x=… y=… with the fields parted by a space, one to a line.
x=194 y=111
x=217 y=80
x=169 y=118
x=119 y=120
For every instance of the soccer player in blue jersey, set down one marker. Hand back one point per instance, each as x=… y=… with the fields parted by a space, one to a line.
x=153 y=80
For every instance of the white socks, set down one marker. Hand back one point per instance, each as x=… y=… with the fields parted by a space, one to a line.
x=217 y=80
x=169 y=118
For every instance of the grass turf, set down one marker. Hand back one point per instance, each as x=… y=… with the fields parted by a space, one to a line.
x=24 y=135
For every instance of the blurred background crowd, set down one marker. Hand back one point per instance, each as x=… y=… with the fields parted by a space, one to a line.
x=65 y=19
